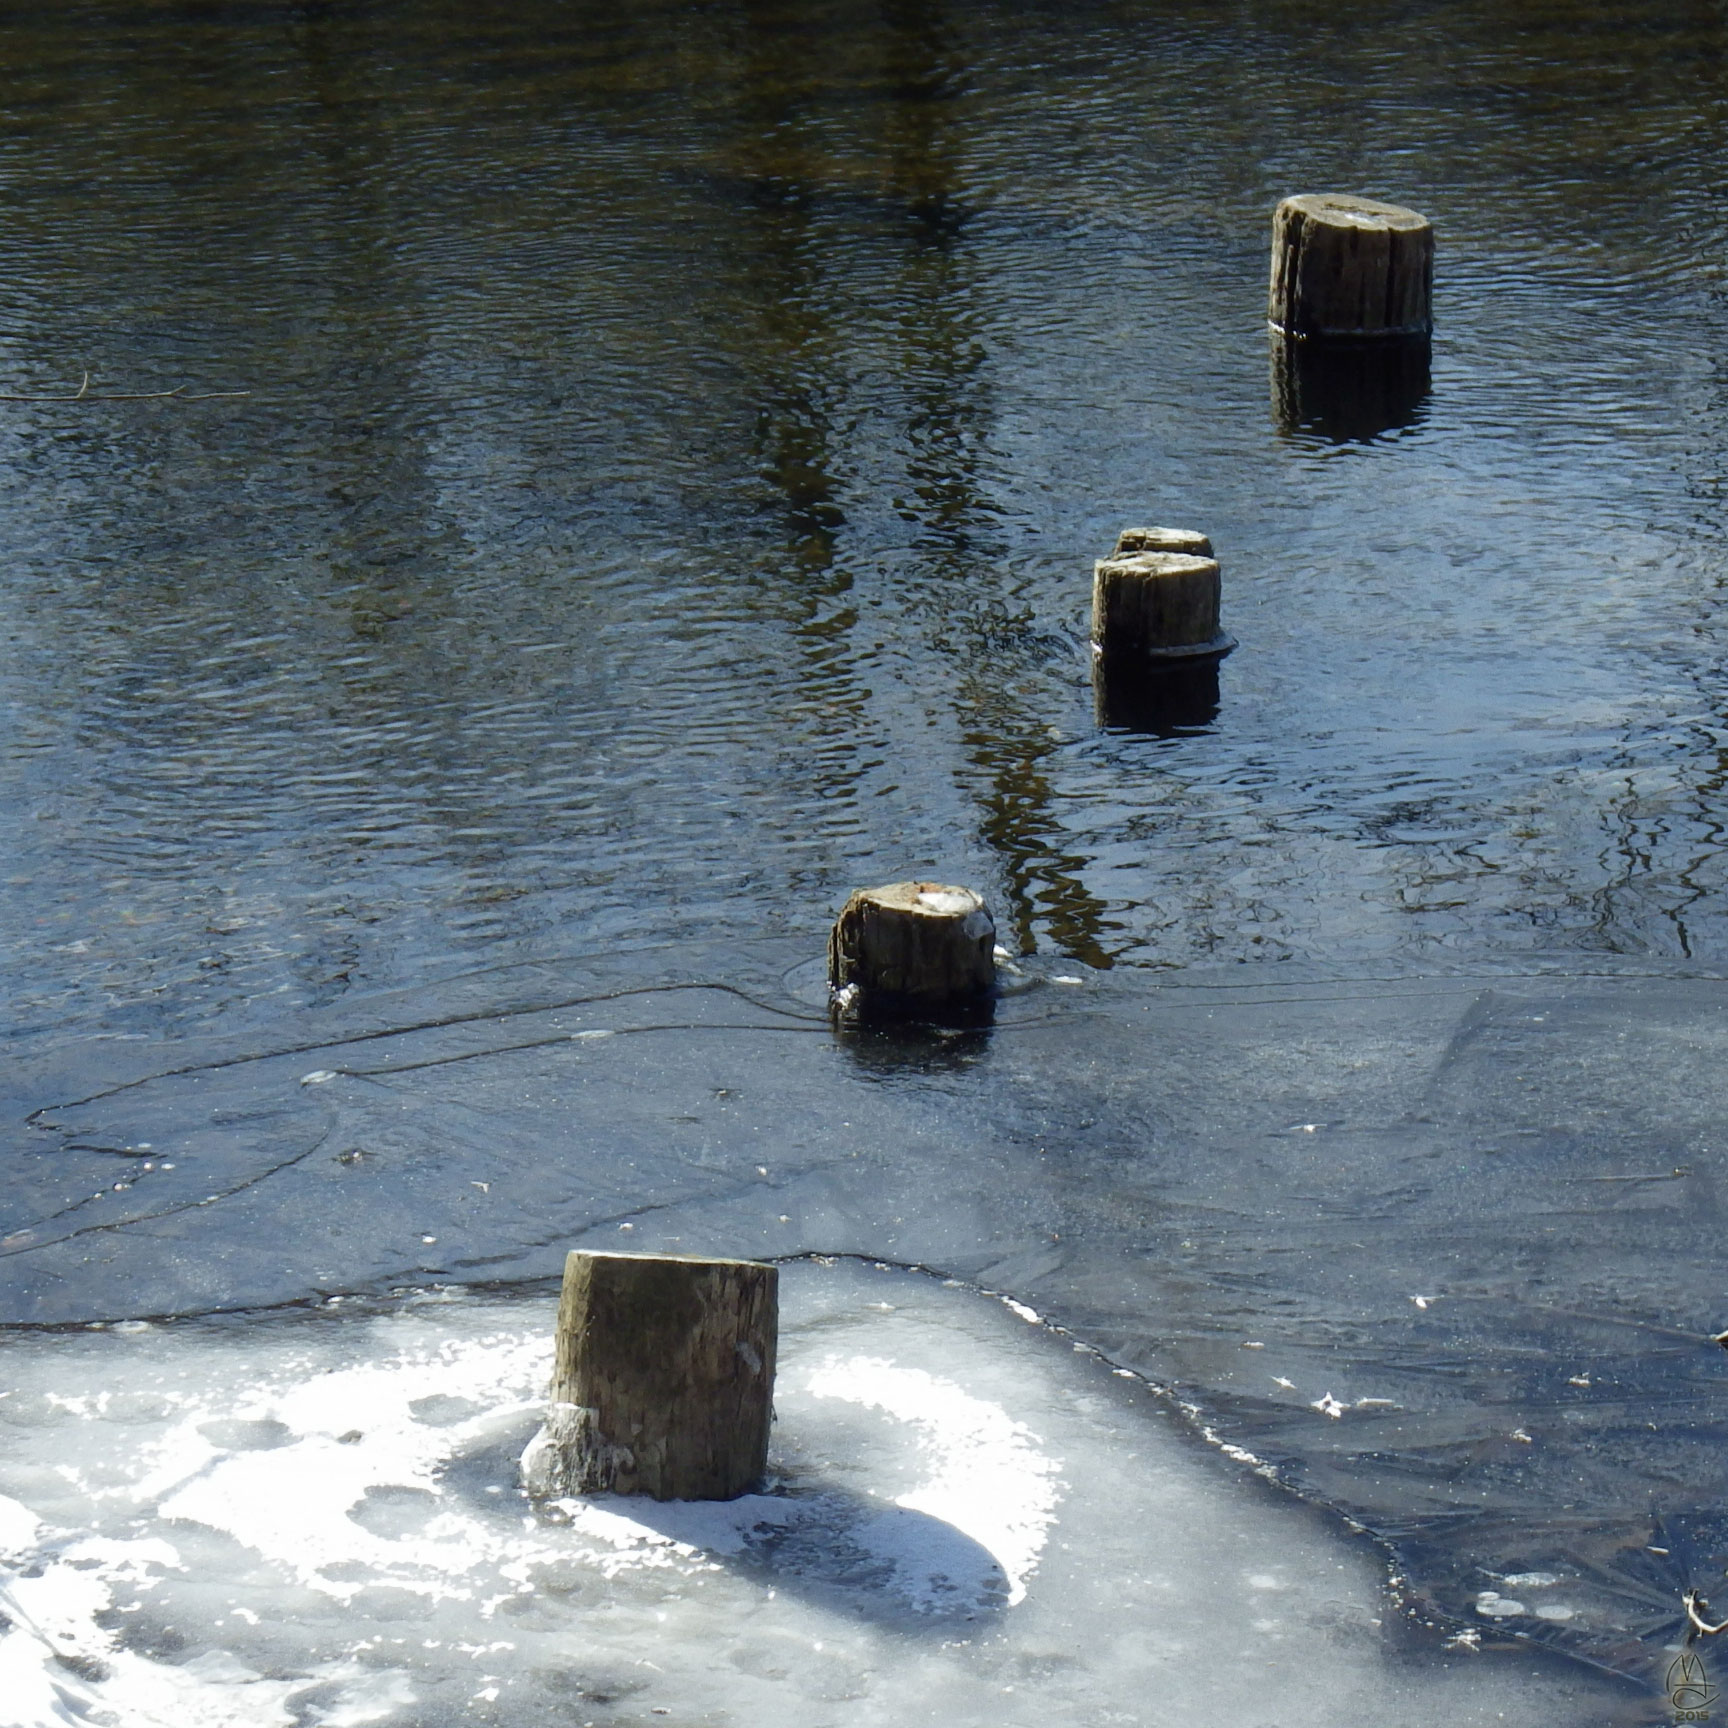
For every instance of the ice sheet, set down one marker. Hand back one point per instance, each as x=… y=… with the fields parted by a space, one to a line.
x=312 y=1519
x=1440 y=1252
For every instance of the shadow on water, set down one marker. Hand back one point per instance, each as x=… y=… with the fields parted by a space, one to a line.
x=1349 y=392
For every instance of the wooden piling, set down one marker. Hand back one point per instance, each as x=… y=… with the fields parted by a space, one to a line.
x=1152 y=605
x=662 y=1380
x=912 y=948
x=1348 y=266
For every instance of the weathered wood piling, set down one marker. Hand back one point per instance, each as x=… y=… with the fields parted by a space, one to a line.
x=1148 y=606
x=1187 y=541
x=1344 y=266
x=662 y=1380
x=1156 y=634
x=912 y=949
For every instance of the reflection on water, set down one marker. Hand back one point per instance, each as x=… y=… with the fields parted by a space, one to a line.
x=764 y=357
x=1349 y=391
x=1165 y=701
x=886 y=1050
x=677 y=442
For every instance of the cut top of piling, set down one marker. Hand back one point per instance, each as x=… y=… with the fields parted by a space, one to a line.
x=927 y=899
x=644 y=1255
x=1187 y=541
x=1347 y=210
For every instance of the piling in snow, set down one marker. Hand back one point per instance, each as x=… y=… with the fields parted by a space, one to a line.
x=912 y=949
x=662 y=1380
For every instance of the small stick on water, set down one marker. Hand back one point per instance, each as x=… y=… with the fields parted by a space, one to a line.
x=177 y=394
x=1693 y=1603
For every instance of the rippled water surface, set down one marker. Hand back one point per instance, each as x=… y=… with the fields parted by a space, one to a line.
x=672 y=449
x=677 y=442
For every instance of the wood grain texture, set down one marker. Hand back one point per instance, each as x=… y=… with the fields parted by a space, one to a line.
x=1145 y=602
x=663 y=1378
x=1347 y=266
x=913 y=947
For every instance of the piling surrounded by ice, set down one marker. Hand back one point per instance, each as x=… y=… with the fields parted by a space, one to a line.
x=662 y=1378
x=312 y=1522
x=912 y=948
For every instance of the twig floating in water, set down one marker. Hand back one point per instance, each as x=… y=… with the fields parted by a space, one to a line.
x=177 y=394
x=1694 y=1602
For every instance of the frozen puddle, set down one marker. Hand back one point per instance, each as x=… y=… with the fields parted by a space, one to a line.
x=313 y=1519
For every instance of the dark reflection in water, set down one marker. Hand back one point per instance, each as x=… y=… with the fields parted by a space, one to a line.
x=1349 y=391
x=886 y=1050
x=1165 y=701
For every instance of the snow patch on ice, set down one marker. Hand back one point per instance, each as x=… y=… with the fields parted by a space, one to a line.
x=987 y=1477
x=321 y=1512
x=355 y=1431
x=58 y=1666
x=18 y=1527
x=947 y=900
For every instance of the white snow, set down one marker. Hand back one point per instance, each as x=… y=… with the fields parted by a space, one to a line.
x=986 y=1476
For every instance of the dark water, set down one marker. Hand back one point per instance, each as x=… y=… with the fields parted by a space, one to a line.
x=675 y=444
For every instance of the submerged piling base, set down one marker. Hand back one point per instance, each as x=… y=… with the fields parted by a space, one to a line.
x=1348 y=391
